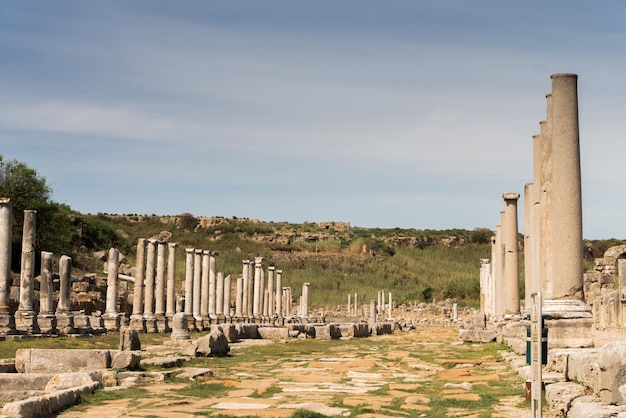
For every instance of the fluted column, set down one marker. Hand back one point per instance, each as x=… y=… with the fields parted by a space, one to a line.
x=511 y=254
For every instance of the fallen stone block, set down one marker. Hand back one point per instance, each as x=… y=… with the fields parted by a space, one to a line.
x=477 y=335
x=41 y=360
x=247 y=331
x=560 y=396
x=588 y=407
x=70 y=380
x=125 y=359
x=230 y=331
x=273 y=333
x=582 y=367
x=163 y=362
x=212 y=345
x=612 y=373
x=24 y=381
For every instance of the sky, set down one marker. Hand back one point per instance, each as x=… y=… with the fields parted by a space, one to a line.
x=389 y=114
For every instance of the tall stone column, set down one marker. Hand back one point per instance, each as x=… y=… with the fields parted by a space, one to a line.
x=7 y=320
x=228 y=283
x=245 y=283
x=159 y=286
x=189 y=275
x=570 y=320
x=485 y=286
x=545 y=202
x=356 y=305
x=25 y=317
x=111 y=316
x=511 y=254
x=136 y=319
x=279 y=293
x=239 y=298
x=390 y=307
x=46 y=318
x=205 y=311
x=251 y=275
x=270 y=291
x=256 y=306
x=372 y=312
x=212 y=285
x=170 y=302
x=197 y=288
x=498 y=273
x=148 y=311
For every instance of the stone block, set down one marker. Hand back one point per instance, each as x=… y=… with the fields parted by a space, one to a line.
x=589 y=408
x=212 y=345
x=477 y=335
x=125 y=359
x=248 y=331
x=24 y=381
x=583 y=367
x=560 y=396
x=129 y=339
x=612 y=373
x=69 y=380
x=230 y=331
x=41 y=360
x=273 y=333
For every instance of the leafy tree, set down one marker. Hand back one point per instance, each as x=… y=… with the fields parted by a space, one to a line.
x=28 y=190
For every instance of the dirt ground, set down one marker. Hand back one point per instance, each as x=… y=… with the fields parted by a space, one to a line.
x=386 y=379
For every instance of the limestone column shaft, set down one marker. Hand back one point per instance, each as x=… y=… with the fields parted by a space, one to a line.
x=113 y=266
x=189 y=274
x=6 y=234
x=140 y=277
x=251 y=274
x=27 y=273
x=219 y=293
x=197 y=284
x=262 y=294
x=170 y=302
x=245 y=283
x=567 y=231
x=212 y=284
x=279 y=293
x=205 y=285
x=270 y=290
x=498 y=295
x=151 y=253
x=485 y=286
x=239 y=297
x=305 y=300
x=46 y=292
x=65 y=274
x=228 y=284
x=159 y=291
x=256 y=305
x=511 y=248
x=545 y=202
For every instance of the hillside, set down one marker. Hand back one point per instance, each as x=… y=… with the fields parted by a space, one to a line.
x=337 y=259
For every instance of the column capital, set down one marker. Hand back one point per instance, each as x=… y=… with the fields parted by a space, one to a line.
x=172 y=245
x=510 y=196
x=190 y=250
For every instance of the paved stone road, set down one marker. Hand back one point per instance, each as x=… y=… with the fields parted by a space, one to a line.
x=386 y=380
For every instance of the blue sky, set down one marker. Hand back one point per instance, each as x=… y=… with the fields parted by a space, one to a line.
x=410 y=114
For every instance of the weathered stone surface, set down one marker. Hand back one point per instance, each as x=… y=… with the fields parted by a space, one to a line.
x=477 y=335
x=213 y=344
x=583 y=367
x=612 y=374
x=273 y=333
x=48 y=404
x=359 y=330
x=590 y=409
x=247 y=331
x=70 y=380
x=22 y=381
x=125 y=359
x=129 y=339
x=560 y=395
x=41 y=360
x=164 y=362
x=231 y=332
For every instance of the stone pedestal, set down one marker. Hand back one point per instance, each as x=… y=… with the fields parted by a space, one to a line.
x=26 y=321
x=96 y=322
x=111 y=321
x=64 y=323
x=569 y=324
x=47 y=323
x=137 y=322
x=180 y=327
x=162 y=324
x=151 y=323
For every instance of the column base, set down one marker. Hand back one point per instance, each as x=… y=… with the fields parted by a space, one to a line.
x=111 y=321
x=7 y=324
x=151 y=324
x=137 y=323
x=47 y=323
x=96 y=322
x=569 y=324
x=26 y=321
x=162 y=324
x=64 y=323
x=180 y=327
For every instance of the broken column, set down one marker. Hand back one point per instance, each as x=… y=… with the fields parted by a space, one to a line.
x=239 y=298
x=511 y=255
x=64 y=317
x=46 y=319
x=305 y=300
x=219 y=296
x=245 y=283
x=25 y=317
x=570 y=320
x=270 y=291
x=136 y=319
x=159 y=288
x=111 y=317
x=7 y=320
